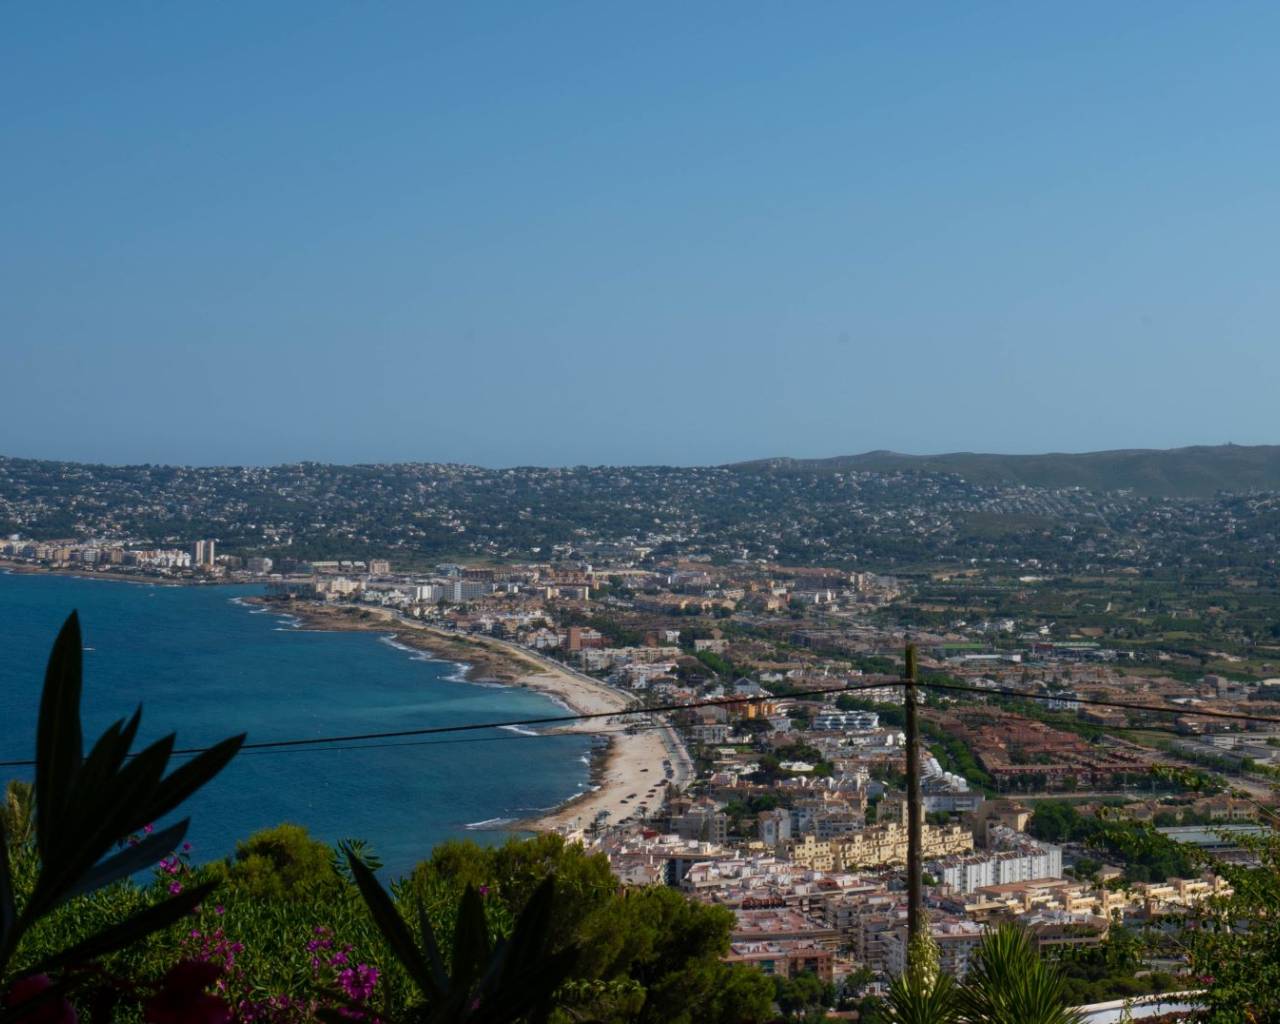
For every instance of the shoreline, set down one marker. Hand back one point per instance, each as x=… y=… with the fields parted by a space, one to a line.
x=27 y=569
x=623 y=769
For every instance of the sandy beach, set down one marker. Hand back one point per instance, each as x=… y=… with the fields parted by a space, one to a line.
x=631 y=769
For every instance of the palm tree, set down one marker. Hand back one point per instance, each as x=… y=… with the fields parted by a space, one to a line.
x=917 y=999
x=1008 y=983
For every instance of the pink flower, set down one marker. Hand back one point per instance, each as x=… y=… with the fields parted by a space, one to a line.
x=175 y=888
x=182 y=998
x=219 y=910
x=358 y=982
x=53 y=1010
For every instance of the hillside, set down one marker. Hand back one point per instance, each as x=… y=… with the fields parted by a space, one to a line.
x=1196 y=472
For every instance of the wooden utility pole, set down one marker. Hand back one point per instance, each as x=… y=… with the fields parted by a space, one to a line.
x=916 y=924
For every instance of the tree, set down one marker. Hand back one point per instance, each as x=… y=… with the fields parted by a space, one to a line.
x=481 y=982
x=1233 y=946
x=672 y=948
x=1008 y=983
x=283 y=862
x=802 y=993
x=509 y=874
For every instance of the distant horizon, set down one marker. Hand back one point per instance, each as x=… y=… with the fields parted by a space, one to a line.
x=648 y=465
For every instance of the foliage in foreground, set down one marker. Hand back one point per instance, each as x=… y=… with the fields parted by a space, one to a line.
x=286 y=931
x=75 y=833
x=1007 y=983
x=1234 y=947
x=292 y=935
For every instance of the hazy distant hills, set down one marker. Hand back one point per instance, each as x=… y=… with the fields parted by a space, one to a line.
x=1196 y=472
x=1206 y=508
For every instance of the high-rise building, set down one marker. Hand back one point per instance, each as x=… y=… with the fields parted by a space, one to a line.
x=202 y=552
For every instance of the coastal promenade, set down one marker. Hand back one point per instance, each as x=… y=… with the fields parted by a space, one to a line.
x=633 y=763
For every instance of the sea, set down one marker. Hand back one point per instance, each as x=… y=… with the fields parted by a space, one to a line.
x=205 y=665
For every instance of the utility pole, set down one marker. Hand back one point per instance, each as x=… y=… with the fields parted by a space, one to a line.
x=916 y=924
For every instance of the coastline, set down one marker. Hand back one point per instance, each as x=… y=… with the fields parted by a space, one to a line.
x=623 y=770
x=27 y=569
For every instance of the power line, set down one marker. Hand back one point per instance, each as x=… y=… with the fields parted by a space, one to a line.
x=1127 y=705
x=477 y=726
x=931 y=684
x=631 y=729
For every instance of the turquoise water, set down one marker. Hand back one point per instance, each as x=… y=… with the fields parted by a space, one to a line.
x=206 y=666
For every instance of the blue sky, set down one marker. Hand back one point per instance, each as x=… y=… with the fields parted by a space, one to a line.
x=566 y=233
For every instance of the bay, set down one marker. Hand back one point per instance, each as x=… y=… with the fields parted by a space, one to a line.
x=206 y=666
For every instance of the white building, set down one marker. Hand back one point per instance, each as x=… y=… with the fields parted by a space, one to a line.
x=774 y=827
x=1028 y=861
x=847 y=721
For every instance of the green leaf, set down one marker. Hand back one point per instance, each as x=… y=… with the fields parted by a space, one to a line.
x=434 y=959
x=391 y=924
x=147 y=852
x=59 y=745
x=109 y=752
x=102 y=764
x=528 y=941
x=470 y=941
x=186 y=779
x=128 y=931
x=8 y=907
x=527 y=994
x=97 y=817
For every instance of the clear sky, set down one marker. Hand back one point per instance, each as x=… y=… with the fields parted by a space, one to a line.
x=556 y=233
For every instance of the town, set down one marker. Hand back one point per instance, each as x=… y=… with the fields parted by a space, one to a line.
x=1072 y=782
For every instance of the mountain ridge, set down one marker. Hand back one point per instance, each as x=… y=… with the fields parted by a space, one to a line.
x=1195 y=471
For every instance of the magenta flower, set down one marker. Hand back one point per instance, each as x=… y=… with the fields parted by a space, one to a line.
x=54 y=1010
x=358 y=982
x=182 y=998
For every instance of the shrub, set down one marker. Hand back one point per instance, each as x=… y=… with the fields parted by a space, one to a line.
x=283 y=862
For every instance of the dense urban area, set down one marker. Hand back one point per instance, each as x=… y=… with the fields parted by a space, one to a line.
x=1083 y=653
